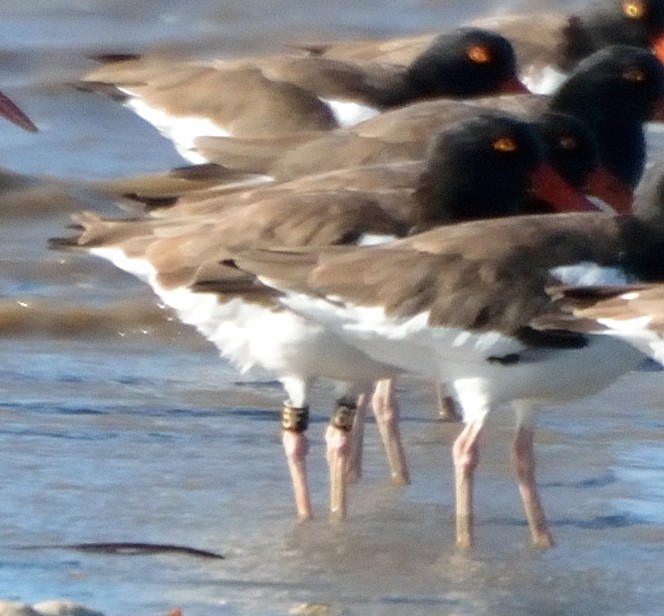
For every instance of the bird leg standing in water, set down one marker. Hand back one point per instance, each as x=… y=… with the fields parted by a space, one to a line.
x=386 y=411
x=338 y=450
x=294 y=423
x=354 y=466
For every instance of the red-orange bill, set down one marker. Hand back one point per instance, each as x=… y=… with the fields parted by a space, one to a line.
x=11 y=112
x=658 y=47
x=550 y=187
x=657 y=114
x=513 y=86
x=600 y=183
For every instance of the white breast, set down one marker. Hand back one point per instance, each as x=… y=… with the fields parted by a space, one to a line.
x=181 y=130
x=588 y=273
x=347 y=113
x=251 y=335
x=544 y=81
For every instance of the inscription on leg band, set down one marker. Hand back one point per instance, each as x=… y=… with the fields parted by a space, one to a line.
x=294 y=419
x=344 y=416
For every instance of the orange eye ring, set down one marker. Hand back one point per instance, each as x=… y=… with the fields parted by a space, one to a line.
x=568 y=143
x=633 y=73
x=505 y=144
x=633 y=9
x=479 y=54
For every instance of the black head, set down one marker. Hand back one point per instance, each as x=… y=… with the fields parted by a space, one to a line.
x=615 y=22
x=570 y=146
x=479 y=168
x=572 y=149
x=614 y=92
x=622 y=22
x=464 y=63
x=619 y=80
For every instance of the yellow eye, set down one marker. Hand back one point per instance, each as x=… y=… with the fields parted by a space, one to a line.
x=505 y=144
x=478 y=54
x=633 y=9
x=568 y=143
x=633 y=73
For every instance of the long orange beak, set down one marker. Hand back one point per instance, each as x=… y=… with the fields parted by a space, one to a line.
x=12 y=113
x=513 y=86
x=657 y=114
x=549 y=186
x=658 y=47
x=600 y=183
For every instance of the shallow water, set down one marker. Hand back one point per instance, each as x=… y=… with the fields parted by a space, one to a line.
x=119 y=425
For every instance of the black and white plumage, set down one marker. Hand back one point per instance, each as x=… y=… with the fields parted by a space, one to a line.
x=547 y=46
x=477 y=306
x=188 y=245
x=291 y=96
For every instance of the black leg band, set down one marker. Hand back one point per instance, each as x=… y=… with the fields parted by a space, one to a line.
x=294 y=419
x=344 y=415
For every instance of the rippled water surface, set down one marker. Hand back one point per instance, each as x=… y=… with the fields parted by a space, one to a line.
x=119 y=425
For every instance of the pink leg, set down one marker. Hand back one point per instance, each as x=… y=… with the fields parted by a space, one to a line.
x=354 y=469
x=524 y=459
x=338 y=448
x=296 y=446
x=386 y=410
x=465 y=453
